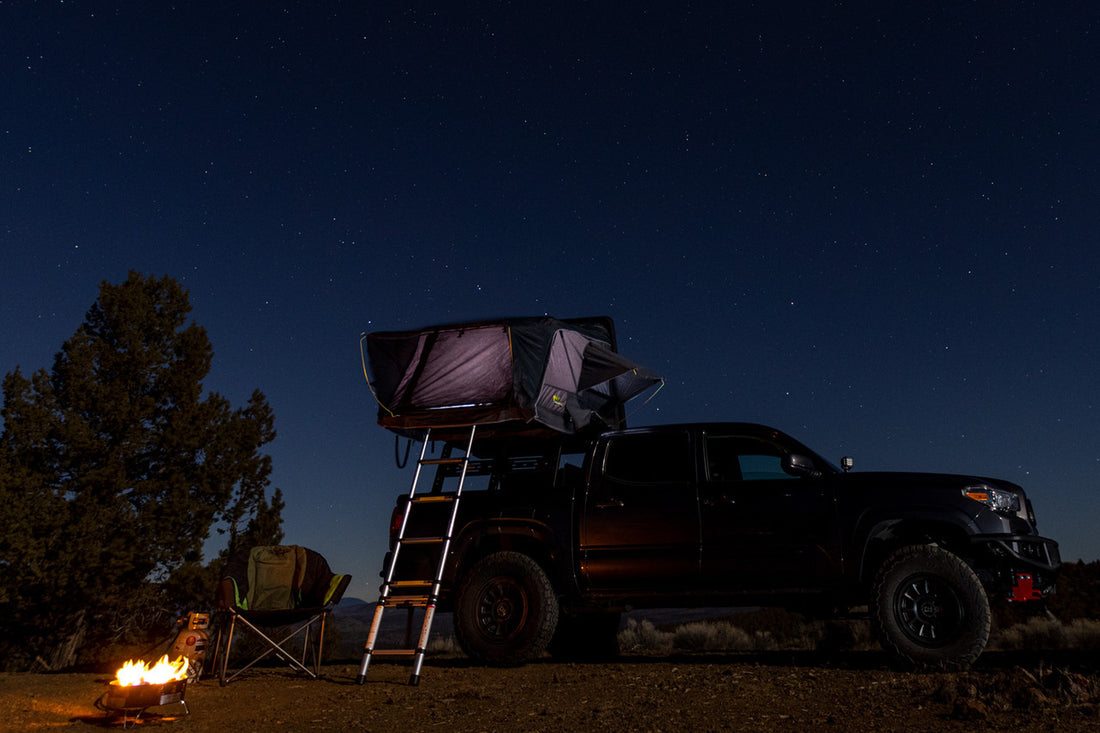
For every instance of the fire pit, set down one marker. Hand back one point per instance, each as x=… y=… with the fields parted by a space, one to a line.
x=138 y=687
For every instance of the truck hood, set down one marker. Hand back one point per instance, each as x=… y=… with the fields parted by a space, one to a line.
x=913 y=480
x=909 y=490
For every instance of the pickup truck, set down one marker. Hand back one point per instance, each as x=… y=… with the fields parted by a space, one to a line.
x=561 y=536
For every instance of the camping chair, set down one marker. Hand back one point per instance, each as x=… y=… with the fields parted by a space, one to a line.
x=269 y=587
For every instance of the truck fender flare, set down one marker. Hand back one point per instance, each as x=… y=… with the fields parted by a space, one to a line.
x=874 y=525
x=503 y=534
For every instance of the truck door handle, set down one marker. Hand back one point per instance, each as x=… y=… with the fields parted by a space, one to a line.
x=610 y=504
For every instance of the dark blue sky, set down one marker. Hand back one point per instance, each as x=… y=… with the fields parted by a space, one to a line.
x=872 y=227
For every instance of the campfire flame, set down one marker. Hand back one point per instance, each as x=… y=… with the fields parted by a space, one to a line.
x=139 y=673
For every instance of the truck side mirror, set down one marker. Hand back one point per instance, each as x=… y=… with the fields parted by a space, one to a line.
x=798 y=465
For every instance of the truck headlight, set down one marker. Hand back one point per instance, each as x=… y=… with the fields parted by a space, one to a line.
x=999 y=500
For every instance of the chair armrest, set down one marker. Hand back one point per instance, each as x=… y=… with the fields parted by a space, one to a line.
x=227 y=594
x=336 y=589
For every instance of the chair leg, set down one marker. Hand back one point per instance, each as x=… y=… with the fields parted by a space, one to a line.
x=222 y=680
x=313 y=645
x=320 y=650
x=307 y=638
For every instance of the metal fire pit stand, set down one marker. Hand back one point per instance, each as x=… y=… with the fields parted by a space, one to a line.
x=136 y=699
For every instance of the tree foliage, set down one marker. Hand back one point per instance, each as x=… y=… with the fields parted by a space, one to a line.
x=114 y=469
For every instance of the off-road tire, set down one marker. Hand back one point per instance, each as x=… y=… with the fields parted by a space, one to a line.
x=505 y=610
x=929 y=609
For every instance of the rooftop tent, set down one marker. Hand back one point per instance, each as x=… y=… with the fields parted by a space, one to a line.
x=535 y=374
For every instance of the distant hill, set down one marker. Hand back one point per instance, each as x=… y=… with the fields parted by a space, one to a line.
x=353 y=618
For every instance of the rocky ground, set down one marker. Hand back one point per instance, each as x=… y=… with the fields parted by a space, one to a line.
x=751 y=691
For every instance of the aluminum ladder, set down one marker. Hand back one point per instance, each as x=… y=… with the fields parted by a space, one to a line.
x=405 y=598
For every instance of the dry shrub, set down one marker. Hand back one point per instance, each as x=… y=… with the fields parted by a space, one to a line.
x=644 y=637
x=704 y=636
x=844 y=635
x=443 y=646
x=793 y=631
x=1084 y=633
x=723 y=635
x=1048 y=633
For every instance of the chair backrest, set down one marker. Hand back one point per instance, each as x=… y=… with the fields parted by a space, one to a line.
x=275 y=577
x=278 y=577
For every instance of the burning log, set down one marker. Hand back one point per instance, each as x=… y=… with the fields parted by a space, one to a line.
x=138 y=686
x=135 y=673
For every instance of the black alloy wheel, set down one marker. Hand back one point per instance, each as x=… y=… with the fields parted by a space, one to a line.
x=928 y=610
x=502 y=608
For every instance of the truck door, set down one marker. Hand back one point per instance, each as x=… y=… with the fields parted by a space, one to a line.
x=762 y=529
x=640 y=522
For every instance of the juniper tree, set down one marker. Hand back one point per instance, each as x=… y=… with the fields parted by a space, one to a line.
x=115 y=466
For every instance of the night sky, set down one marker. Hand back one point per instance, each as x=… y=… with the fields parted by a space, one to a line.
x=874 y=227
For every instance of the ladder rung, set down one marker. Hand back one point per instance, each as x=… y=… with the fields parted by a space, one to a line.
x=429 y=498
x=420 y=540
x=411 y=583
x=393 y=652
x=443 y=461
x=407 y=601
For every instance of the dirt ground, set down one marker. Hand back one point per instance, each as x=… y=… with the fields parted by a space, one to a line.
x=854 y=691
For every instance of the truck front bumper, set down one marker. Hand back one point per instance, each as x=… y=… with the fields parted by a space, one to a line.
x=1017 y=567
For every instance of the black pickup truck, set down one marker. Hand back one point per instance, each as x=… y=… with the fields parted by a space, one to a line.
x=560 y=536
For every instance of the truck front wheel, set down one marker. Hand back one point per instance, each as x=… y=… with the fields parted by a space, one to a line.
x=929 y=608
x=505 y=610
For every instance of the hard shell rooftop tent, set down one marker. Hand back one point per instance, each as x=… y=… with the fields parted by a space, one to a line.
x=519 y=375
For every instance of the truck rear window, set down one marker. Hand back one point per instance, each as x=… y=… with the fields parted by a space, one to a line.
x=649 y=458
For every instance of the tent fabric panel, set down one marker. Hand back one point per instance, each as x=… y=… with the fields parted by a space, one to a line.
x=608 y=381
x=602 y=366
x=532 y=340
x=556 y=402
x=460 y=368
x=441 y=368
x=585 y=379
x=390 y=355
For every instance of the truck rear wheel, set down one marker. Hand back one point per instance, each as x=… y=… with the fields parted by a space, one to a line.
x=929 y=608
x=505 y=610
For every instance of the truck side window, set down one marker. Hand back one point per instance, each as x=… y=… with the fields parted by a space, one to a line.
x=649 y=458
x=735 y=458
x=761 y=467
